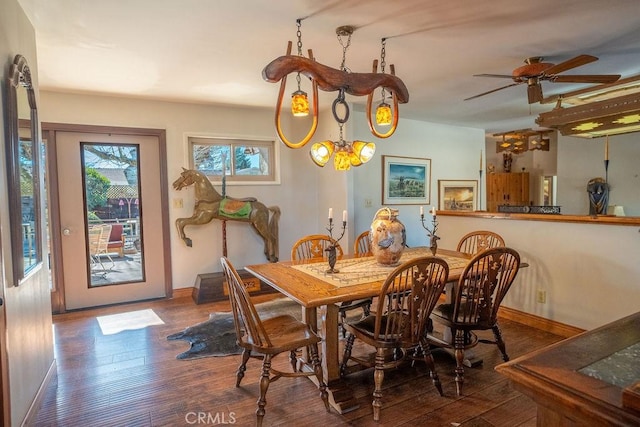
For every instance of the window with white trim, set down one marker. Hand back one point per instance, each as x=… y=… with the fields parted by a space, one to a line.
x=245 y=160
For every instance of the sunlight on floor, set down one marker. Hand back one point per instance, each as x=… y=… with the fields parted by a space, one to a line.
x=116 y=323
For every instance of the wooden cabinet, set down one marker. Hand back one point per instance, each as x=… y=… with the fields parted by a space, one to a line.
x=508 y=188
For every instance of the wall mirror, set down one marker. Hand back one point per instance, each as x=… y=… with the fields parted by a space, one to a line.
x=23 y=169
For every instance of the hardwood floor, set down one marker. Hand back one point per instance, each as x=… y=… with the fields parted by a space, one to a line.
x=132 y=378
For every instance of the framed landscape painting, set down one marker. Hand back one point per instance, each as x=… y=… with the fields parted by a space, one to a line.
x=457 y=195
x=406 y=180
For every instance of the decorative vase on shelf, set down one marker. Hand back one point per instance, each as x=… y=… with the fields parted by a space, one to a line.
x=388 y=237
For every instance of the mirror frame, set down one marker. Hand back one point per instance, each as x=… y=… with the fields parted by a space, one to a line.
x=20 y=76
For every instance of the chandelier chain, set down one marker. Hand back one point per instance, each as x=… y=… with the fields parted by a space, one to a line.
x=345 y=46
x=383 y=54
x=299 y=35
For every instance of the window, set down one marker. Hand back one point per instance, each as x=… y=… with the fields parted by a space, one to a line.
x=245 y=160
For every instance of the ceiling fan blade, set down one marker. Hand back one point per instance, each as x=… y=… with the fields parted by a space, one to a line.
x=491 y=91
x=534 y=93
x=586 y=78
x=569 y=64
x=500 y=76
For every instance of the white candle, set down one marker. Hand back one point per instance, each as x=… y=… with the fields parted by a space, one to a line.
x=480 y=159
x=606 y=149
x=330 y=213
x=344 y=216
x=433 y=211
x=421 y=210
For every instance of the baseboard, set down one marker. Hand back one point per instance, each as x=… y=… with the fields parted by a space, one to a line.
x=538 y=322
x=32 y=413
x=182 y=292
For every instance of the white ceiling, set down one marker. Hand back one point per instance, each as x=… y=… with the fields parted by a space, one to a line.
x=209 y=51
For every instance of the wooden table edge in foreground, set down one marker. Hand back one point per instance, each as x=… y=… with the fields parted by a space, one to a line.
x=555 y=378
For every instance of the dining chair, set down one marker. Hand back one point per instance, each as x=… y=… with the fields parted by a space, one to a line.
x=314 y=247
x=98 y=247
x=269 y=338
x=474 y=304
x=362 y=245
x=479 y=240
x=398 y=327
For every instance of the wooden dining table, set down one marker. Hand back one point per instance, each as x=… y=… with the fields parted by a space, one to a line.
x=308 y=283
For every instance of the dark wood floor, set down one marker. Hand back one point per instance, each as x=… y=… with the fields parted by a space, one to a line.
x=133 y=379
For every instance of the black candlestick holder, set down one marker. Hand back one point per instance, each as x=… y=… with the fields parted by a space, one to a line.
x=332 y=256
x=431 y=232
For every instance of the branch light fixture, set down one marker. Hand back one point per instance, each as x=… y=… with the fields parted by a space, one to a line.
x=521 y=140
x=346 y=154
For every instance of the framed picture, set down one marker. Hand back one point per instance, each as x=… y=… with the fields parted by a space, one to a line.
x=406 y=180
x=457 y=195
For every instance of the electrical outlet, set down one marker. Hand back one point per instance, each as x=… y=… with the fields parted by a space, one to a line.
x=177 y=203
x=541 y=296
x=368 y=203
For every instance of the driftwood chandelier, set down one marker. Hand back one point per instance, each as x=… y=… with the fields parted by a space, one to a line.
x=343 y=81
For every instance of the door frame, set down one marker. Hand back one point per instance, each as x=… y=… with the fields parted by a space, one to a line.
x=49 y=131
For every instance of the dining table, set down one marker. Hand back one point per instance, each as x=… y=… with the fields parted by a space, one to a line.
x=319 y=292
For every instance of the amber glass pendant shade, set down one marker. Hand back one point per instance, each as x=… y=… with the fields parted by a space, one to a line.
x=383 y=114
x=321 y=152
x=299 y=104
x=362 y=152
x=341 y=161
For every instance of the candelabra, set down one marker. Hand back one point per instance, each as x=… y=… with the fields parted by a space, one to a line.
x=431 y=232
x=332 y=257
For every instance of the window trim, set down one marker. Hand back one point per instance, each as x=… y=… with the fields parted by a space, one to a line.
x=273 y=179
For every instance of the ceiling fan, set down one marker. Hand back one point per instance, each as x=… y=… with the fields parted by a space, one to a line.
x=536 y=71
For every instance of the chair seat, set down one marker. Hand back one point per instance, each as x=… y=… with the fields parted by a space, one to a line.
x=444 y=314
x=348 y=305
x=364 y=329
x=286 y=333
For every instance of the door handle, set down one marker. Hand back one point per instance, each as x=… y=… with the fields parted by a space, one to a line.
x=66 y=232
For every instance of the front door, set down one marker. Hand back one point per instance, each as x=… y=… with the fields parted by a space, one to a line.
x=112 y=232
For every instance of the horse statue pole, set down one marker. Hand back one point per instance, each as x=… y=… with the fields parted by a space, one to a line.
x=224 y=221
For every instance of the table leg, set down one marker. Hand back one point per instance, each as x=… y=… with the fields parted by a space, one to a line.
x=340 y=396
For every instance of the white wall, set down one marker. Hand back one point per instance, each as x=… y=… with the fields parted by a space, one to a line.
x=27 y=342
x=590 y=272
x=454 y=153
x=306 y=191
x=581 y=159
x=304 y=195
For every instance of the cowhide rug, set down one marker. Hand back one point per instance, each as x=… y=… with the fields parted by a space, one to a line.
x=217 y=336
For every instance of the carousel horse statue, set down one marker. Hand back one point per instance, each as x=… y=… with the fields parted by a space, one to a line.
x=211 y=205
x=598 y=190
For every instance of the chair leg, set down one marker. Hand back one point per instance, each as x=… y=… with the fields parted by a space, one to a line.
x=317 y=370
x=348 y=346
x=378 y=377
x=366 y=309
x=293 y=358
x=243 y=366
x=500 y=342
x=343 y=318
x=264 y=386
x=425 y=349
x=459 y=353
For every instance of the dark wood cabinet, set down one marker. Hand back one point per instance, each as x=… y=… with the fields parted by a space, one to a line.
x=508 y=188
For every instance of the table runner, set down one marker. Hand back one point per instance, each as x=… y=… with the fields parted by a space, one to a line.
x=356 y=271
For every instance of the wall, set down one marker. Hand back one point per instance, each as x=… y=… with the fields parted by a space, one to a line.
x=315 y=189
x=581 y=159
x=575 y=161
x=454 y=153
x=27 y=343
x=588 y=271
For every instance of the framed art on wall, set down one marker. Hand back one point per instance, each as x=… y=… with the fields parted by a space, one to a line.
x=406 y=180
x=460 y=195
